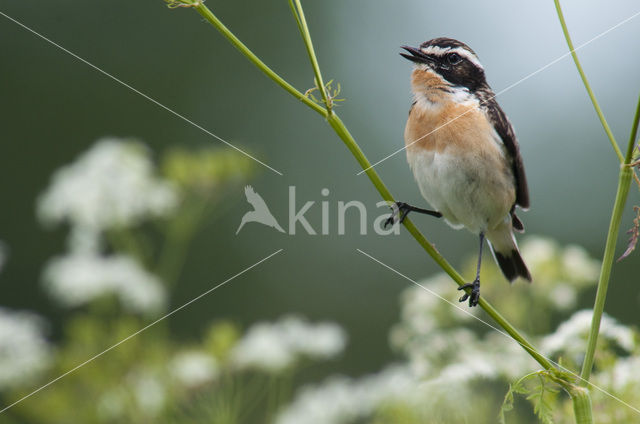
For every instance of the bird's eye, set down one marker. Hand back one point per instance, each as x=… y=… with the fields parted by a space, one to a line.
x=454 y=58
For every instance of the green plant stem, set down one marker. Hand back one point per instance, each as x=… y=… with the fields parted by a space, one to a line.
x=342 y=132
x=624 y=183
x=338 y=126
x=213 y=20
x=581 y=405
x=298 y=13
x=180 y=230
x=634 y=133
x=592 y=96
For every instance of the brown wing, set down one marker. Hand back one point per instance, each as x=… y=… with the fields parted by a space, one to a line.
x=505 y=131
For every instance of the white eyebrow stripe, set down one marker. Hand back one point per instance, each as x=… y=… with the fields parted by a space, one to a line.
x=435 y=50
x=469 y=56
x=459 y=50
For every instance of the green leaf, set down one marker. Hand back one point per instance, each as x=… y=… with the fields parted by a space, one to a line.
x=541 y=392
x=543 y=396
x=507 y=405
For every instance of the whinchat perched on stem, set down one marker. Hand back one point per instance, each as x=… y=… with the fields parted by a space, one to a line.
x=464 y=154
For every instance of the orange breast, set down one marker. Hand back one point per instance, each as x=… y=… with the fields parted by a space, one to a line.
x=450 y=126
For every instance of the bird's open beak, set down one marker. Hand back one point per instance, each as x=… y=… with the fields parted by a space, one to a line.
x=416 y=55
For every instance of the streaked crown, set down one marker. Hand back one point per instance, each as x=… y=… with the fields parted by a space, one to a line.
x=451 y=59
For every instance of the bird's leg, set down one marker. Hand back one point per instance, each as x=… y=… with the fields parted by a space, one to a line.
x=474 y=295
x=401 y=210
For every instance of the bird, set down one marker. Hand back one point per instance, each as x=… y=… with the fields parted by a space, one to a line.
x=260 y=212
x=464 y=154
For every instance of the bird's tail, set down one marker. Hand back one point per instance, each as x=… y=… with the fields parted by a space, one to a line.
x=505 y=251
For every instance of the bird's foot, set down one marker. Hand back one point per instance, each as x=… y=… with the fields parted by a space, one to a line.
x=474 y=295
x=399 y=211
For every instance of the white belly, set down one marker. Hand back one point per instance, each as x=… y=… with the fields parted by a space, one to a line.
x=468 y=191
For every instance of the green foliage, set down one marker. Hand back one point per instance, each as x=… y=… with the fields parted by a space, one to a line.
x=543 y=397
x=540 y=389
x=206 y=171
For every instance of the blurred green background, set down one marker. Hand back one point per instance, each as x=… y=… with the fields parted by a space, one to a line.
x=52 y=107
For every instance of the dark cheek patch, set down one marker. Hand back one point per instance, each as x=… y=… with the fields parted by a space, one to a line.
x=463 y=74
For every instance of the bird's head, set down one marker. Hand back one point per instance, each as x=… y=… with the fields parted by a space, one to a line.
x=445 y=62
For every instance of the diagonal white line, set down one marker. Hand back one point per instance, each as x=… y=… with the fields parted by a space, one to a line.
x=152 y=100
x=498 y=330
x=140 y=331
x=504 y=90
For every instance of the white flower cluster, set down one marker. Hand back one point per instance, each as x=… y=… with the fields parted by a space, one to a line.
x=275 y=346
x=571 y=263
x=445 y=354
x=559 y=272
x=579 y=265
x=142 y=389
x=24 y=352
x=193 y=368
x=626 y=374
x=80 y=277
x=343 y=400
x=439 y=347
x=111 y=185
x=571 y=336
x=424 y=308
x=148 y=390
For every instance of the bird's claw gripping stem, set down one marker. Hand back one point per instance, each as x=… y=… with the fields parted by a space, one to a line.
x=474 y=295
x=402 y=209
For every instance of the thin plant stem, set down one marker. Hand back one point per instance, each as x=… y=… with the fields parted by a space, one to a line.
x=592 y=96
x=338 y=126
x=298 y=13
x=176 y=244
x=634 y=133
x=624 y=183
x=582 y=401
x=213 y=20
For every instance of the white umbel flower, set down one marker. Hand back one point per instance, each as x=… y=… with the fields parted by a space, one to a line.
x=79 y=278
x=110 y=185
x=563 y=296
x=148 y=391
x=193 y=368
x=24 y=352
x=321 y=341
x=275 y=346
x=626 y=373
x=571 y=335
x=538 y=251
x=579 y=265
x=343 y=400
